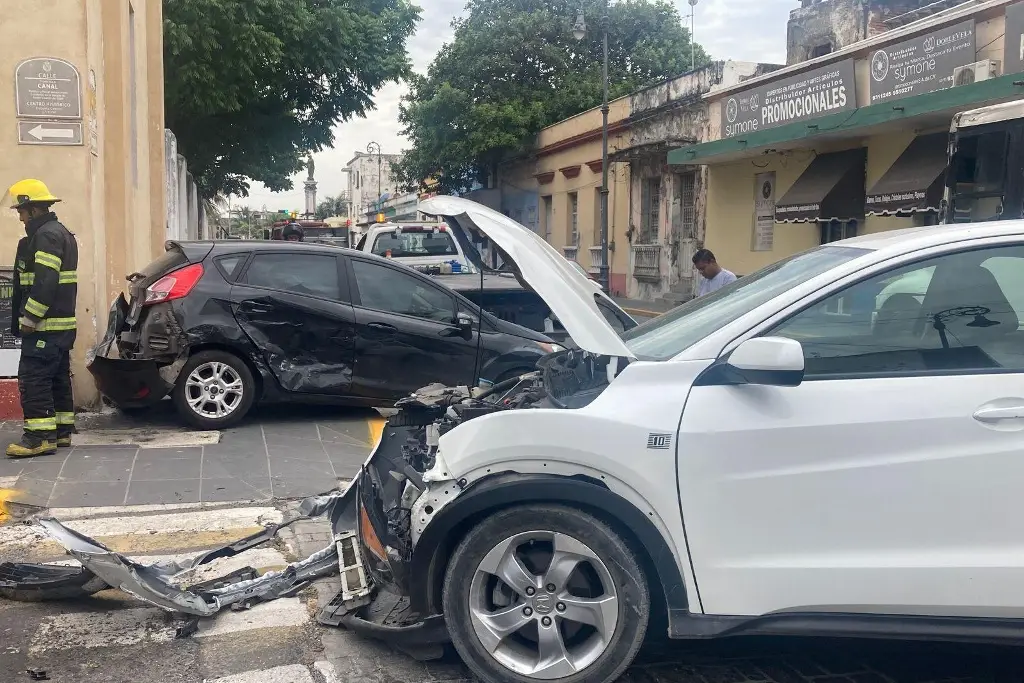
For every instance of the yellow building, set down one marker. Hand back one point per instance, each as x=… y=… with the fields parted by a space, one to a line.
x=853 y=141
x=83 y=106
x=556 y=191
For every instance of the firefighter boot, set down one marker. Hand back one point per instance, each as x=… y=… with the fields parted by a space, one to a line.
x=29 y=448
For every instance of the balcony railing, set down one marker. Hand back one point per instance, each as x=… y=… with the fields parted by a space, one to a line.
x=647 y=262
x=570 y=252
x=595 y=260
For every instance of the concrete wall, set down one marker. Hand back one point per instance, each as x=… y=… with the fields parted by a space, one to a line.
x=113 y=186
x=362 y=180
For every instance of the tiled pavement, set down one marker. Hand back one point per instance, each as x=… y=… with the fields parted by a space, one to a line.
x=277 y=453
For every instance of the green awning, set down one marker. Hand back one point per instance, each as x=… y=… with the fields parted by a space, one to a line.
x=959 y=98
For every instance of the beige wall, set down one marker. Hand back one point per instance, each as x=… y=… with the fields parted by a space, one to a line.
x=117 y=215
x=569 y=153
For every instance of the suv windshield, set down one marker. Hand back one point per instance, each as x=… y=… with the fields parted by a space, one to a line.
x=414 y=244
x=672 y=333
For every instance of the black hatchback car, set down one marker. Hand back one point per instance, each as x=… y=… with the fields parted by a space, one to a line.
x=223 y=325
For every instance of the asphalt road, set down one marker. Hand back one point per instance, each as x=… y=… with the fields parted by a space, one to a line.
x=111 y=638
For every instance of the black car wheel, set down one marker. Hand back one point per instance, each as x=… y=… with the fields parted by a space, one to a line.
x=545 y=593
x=214 y=390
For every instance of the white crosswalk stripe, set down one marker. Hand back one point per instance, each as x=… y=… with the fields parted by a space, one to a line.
x=113 y=621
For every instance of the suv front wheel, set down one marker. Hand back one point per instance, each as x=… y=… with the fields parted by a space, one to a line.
x=214 y=390
x=545 y=593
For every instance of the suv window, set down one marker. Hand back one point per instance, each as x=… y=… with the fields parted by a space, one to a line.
x=309 y=274
x=404 y=244
x=392 y=291
x=952 y=313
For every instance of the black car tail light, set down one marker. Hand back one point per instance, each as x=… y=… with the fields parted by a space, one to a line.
x=175 y=285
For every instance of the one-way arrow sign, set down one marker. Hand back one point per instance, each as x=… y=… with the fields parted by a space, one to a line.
x=50 y=133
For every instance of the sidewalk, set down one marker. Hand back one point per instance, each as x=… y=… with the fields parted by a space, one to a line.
x=277 y=453
x=643 y=309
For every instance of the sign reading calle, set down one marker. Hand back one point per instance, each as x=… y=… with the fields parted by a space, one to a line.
x=48 y=88
x=826 y=90
x=921 y=65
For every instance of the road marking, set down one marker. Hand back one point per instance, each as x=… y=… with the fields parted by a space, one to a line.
x=376 y=428
x=126 y=627
x=293 y=673
x=144 y=534
x=161 y=438
x=6 y=494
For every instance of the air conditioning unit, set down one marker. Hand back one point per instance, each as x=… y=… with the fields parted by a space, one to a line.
x=972 y=73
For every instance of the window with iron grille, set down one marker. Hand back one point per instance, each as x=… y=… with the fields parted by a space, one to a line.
x=688 y=204
x=650 y=207
x=574 y=226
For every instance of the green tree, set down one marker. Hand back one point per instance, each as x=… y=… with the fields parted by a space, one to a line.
x=514 y=67
x=252 y=86
x=332 y=206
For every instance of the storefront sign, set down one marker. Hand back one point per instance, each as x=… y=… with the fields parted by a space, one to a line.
x=764 y=212
x=820 y=92
x=1013 y=57
x=921 y=65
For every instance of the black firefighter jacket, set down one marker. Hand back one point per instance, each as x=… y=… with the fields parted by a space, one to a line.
x=46 y=282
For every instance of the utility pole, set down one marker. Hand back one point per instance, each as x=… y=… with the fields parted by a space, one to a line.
x=580 y=32
x=370 y=150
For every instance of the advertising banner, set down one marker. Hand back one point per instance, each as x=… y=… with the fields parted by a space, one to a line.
x=921 y=65
x=823 y=91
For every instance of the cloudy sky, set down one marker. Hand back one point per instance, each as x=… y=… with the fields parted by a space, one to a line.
x=746 y=30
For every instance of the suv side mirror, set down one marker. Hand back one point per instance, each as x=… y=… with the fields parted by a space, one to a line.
x=767 y=361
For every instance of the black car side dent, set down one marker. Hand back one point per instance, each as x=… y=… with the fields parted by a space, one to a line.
x=425 y=571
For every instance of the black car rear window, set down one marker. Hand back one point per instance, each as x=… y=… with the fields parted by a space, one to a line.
x=230 y=265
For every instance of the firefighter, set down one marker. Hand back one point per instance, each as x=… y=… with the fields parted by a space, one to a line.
x=43 y=315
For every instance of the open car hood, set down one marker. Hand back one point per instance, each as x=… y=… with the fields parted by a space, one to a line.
x=567 y=291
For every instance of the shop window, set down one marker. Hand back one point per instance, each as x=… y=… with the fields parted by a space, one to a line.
x=833 y=230
x=650 y=208
x=573 y=235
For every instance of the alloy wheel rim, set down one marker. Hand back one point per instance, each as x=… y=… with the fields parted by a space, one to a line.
x=214 y=390
x=548 y=621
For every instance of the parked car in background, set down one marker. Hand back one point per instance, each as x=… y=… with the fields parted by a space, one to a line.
x=220 y=326
x=426 y=246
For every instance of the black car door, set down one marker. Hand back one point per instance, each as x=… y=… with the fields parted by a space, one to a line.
x=406 y=332
x=294 y=307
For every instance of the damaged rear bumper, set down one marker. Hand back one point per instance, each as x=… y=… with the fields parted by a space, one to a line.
x=125 y=369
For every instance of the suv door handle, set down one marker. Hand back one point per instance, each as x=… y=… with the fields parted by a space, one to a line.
x=383 y=327
x=996 y=414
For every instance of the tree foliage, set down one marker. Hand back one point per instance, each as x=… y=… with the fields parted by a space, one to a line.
x=252 y=86
x=514 y=67
x=332 y=206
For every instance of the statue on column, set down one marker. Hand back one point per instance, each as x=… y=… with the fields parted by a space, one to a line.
x=310 y=166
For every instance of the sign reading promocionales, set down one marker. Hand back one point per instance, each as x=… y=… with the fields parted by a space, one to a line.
x=826 y=90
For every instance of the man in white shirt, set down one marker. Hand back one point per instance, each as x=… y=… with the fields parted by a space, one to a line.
x=713 y=276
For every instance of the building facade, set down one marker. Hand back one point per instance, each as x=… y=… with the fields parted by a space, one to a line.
x=555 y=190
x=84 y=102
x=852 y=141
x=369 y=177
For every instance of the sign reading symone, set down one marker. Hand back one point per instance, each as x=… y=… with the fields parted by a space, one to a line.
x=826 y=90
x=47 y=88
x=921 y=65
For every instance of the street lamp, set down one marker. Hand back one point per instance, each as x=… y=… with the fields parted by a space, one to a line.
x=693 y=45
x=579 y=32
x=370 y=150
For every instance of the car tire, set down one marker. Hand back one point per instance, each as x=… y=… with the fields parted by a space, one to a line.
x=473 y=596
x=235 y=390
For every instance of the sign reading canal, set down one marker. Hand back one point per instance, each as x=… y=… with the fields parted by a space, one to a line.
x=47 y=88
x=921 y=65
x=827 y=90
